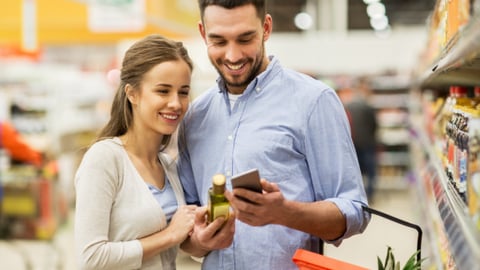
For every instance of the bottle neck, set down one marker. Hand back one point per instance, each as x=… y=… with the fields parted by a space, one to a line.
x=218 y=189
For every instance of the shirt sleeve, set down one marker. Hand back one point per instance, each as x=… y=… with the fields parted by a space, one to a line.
x=335 y=174
x=184 y=168
x=96 y=188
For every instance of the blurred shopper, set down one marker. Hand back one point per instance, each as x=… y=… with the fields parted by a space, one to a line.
x=130 y=208
x=17 y=149
x=290 y=126
x=363 y=122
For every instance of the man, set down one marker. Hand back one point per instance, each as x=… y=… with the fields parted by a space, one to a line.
x=288 y=125
x=364 y=126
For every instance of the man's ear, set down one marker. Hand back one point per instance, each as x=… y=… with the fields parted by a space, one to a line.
x=131 y=94
x=267 y=27
x=201 y=29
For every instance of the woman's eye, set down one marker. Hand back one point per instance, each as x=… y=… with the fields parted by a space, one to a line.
x=184 y=92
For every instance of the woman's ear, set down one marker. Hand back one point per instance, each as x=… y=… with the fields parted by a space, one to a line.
x=131 y=94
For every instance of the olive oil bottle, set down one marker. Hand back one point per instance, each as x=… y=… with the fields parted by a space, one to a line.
x=218 y=204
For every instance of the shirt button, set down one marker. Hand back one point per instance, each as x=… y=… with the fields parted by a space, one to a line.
x=230 y=137
x=228 y=173
x=258 y=89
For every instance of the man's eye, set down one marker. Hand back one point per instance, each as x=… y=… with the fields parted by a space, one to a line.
x=218 y=43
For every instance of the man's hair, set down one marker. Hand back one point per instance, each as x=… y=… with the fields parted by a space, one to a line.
x=229 y=4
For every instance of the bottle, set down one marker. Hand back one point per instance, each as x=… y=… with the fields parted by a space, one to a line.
x=457 y=96
x=473 y=168
x=218 y=204
x=476 y=97
x=459 y=134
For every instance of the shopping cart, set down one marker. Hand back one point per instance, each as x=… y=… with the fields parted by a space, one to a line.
x=307 y=260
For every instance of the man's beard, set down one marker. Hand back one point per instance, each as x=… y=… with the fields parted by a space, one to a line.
x=251 y=76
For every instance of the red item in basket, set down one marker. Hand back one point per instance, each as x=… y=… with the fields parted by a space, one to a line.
x=307 y=260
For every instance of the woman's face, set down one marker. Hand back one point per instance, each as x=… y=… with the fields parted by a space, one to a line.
x=163 y=97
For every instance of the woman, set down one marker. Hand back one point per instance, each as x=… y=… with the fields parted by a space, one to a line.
x=130 y=209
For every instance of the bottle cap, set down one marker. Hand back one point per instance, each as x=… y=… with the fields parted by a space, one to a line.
x=218 y=181
x=458 y=90
x=476 y=91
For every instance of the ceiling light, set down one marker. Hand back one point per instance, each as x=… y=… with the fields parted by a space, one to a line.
x=303 y=21
x=379 y=23
x=376 y=10
x=370 y=1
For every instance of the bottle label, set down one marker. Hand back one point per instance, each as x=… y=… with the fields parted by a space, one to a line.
x=220 y=210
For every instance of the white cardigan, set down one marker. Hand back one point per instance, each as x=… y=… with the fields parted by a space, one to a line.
x=114 y=208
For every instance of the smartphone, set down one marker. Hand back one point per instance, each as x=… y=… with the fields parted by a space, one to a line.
x=249 y=180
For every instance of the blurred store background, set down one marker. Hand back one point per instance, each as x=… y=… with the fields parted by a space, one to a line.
x=54 y=60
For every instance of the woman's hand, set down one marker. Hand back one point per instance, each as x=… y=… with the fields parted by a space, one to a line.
x=207 y=237
x=182 y=222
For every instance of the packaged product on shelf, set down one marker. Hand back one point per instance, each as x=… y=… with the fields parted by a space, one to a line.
x=459 y=135
x=446 y=143
x=464 y=11
x=457 y=95
x=452 y=19
x=473 y=179
x=458 y=15
x=430 y=106
x=476 y=97
x=439 y=27
x=439 y=127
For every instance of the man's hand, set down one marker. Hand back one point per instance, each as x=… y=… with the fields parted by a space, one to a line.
x=320 y=218
x=207 y=237
x=258 y=209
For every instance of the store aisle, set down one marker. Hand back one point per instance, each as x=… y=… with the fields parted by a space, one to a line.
x=361 y=250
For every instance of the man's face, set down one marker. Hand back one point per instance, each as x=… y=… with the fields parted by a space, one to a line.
x=235 y=43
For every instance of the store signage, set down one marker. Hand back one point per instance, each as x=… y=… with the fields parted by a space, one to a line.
x=29 y=26
x=116 y=15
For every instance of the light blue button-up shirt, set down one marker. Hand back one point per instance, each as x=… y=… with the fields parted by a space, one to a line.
x=294 y=129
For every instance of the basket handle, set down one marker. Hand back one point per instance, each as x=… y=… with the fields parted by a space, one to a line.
x=402 y=222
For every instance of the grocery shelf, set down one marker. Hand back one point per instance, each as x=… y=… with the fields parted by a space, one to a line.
x=389 y=97
x=387 y=158
x=463 y=237
x=392 y=183
x=430 y=220
x=459 y=64
x=453 y=233
x=389 y=100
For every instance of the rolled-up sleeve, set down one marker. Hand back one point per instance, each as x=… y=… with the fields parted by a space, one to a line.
x=333 y=163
